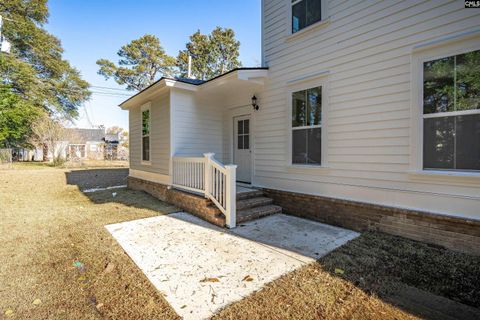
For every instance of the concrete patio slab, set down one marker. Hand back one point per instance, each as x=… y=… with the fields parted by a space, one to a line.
x=200 y=268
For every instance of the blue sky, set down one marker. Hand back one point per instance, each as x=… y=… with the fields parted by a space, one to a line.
x=93 y=29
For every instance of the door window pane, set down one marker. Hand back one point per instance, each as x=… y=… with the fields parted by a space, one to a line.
x=438 y=145
x=246 y=142
x=240 y=127
x=239 y=142
x=246 y=126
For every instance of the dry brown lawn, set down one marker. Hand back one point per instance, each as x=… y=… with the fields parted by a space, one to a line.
x=57 y=261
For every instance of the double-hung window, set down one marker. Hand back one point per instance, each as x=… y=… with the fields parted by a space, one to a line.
x=305 y=13
x=307 y=126
x=146 y=134
x=451 y=112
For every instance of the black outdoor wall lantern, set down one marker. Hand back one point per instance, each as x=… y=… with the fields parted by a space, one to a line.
x=254 y=103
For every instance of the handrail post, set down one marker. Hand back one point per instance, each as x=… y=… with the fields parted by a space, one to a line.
x=208 y=175
x=231 y=197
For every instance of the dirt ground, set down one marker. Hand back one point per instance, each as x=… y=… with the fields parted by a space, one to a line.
x=57 y=261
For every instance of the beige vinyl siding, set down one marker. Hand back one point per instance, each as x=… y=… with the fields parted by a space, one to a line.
x=197 y=123
x=366 y=48
x=159 y=136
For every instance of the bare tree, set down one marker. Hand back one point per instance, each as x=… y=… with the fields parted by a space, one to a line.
x=53 y=137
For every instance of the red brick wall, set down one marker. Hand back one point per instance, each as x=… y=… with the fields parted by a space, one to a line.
x=194 y=204
x=451 y=232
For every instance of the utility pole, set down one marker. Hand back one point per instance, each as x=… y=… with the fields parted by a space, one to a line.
x=5 y=46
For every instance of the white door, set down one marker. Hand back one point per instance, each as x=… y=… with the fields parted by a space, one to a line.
x=242 y=142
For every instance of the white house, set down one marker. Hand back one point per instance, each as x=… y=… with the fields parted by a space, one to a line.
x=367 y=115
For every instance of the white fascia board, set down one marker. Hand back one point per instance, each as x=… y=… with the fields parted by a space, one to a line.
x=249 y=75
x=180 y=85
x=140 y=98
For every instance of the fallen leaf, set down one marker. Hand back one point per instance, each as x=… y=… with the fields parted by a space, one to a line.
x=109 y=268
x=37 y=302
x=339 y=271
x=80 y=266
x=210 y=280
x=183 y=307
x=9 y=313
x=247 y=278
x=82 y=278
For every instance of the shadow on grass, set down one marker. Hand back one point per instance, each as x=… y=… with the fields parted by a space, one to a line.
x=421 y=279
x=113 y=177
x=97 y=178
x=425 y=280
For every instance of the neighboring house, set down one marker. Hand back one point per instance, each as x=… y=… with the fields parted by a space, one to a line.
x=367 y=116
x=78 y=144
x=84 y=144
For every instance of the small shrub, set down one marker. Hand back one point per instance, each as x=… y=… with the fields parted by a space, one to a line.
x=58 y=161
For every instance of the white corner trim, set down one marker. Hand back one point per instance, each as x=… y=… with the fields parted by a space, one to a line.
x=150 y=176
x=446 y=40
x=308 y=77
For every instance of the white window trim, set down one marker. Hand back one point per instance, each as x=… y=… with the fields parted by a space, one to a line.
x=145 y=107
x=304 y=84
x=420 y=54
x=324 y=21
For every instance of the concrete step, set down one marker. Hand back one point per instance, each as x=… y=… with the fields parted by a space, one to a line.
x=249 y=194
x=253 y=202
x=257 y=212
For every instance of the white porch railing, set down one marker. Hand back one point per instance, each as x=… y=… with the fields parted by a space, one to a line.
x=208 y=176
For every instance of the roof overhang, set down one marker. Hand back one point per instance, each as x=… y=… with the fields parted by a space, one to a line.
x=255 y=76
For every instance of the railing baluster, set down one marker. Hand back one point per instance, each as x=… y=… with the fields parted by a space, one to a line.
x=224 y=190
x=206 y=175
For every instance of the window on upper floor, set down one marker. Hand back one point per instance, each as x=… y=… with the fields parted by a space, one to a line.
x=146 y=135
x=451 y=112
x=307 y=126
x=305 y=13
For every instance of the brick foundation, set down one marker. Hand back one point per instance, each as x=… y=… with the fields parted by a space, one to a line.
x=192 y=203
x=450 y=232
